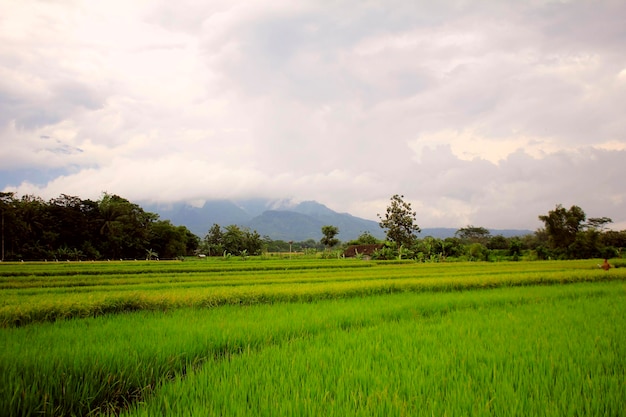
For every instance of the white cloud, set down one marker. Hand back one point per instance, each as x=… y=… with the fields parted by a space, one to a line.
x=488 y=114
x=470 y=144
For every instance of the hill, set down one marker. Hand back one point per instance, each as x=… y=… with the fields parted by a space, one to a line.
x=276 y=219
x=282 y=220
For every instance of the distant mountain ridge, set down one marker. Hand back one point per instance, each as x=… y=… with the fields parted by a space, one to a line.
x=283 y=220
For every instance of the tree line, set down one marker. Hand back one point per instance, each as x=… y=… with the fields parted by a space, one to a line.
x=71 y=228
x=567 y=234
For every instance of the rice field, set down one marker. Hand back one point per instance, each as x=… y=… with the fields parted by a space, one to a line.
x=310 y=337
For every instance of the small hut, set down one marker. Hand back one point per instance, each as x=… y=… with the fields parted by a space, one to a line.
x=366 y=251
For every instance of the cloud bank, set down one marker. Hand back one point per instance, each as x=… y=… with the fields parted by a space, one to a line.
x=486 y=114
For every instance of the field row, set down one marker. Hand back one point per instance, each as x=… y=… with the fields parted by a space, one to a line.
x=61 y=297
x=91 y=268
x=212 y=276
x=562 y=358
x=532 y=350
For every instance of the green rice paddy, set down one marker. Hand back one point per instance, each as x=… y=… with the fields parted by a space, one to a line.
x=310 y=338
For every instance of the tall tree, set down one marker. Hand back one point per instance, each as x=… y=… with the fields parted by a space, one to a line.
x=124 y=227
x=72 y=219
x=563 y=225
x=171 y=241
x=598 y=223
x=400 y=222
x=234 y=240
x=7 y=208
x=214 y=240
x=473 y=234
x=33 y=238
x=329 y=238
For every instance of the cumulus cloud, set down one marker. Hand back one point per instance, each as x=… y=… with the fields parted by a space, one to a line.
x=487 y=114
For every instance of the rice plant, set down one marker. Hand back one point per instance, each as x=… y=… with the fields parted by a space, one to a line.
x=145 y=361
x=557 y=357
x=40 y=298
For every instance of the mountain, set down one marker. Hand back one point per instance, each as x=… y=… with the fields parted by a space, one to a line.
x=287 y=225
x=305 y=220
x=278 y=219
x=283 y=220
x=200 y=219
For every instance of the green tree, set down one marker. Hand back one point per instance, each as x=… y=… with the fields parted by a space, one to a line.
x=598 y=223
x=7 y=209
x=515 y=248
x=329 y=233
x=473 y=234
x=72 y=220
x=365 y=238
x=232 y=239
x=124 y=227
x=253 y=243
x=586 y=245
x=452 y=246
x=400 y=222
x=498 y=242
x=32 y=237
x=614 y=238
x=477 y=252
x=214 y=240
x=276 y=245
x=68 y=227
x=428 y=247
x=168 y=240
x=562 y=226
x=192 y=241
x=241 y=241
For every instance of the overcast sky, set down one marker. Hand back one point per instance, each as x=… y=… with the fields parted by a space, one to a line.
x=487 y=113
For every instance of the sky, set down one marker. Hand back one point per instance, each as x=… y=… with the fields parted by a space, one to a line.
x=483 y=113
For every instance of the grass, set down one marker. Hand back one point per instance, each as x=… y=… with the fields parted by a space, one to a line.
x=385 y=339
x=546 y=358
x=43 y=296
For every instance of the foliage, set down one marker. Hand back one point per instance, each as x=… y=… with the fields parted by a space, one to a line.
x=598 y=223
x=498 y=242
x=171 y=241
x=384 y=253
x=568 y=236
x=234 y=240
x=477 y=252
x=329 y=238
x=70 y=228
x=515 y=248
x=400 y=222
x=365 y=238
x=473 y=234
x=306 y=246
x=562 y=226
x=614 y=239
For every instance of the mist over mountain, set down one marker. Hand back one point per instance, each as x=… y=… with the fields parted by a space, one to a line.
x=283 y=219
